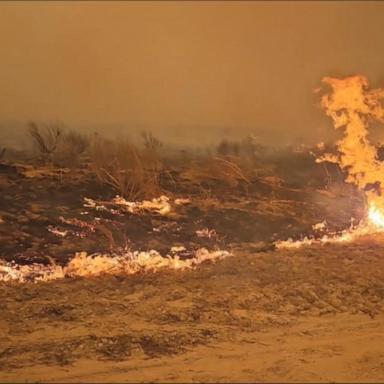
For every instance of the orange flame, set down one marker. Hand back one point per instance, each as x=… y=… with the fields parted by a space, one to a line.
x=376 y=216
x=352 y=106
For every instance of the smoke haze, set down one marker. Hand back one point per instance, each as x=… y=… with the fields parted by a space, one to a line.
x=188 y=71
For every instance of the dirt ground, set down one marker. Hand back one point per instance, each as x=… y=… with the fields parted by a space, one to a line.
x=264 y=315
x=313 y=314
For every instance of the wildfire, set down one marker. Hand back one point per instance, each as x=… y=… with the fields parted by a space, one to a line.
x=83 y=265
x=376 y=216
x=352 y=106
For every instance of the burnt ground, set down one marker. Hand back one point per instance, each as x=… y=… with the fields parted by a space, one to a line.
x=312 y=314
x=34 y=201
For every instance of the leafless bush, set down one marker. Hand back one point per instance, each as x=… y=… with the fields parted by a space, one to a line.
x=73 y=146
x=216 y=169
x=228 y=148
x=151 y=142
x=132 y=172
x=46 y=138
x=2 y=153
x=248 y=147
x=77 y=141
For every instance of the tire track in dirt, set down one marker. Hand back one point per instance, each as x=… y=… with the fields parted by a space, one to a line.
x=310 y=314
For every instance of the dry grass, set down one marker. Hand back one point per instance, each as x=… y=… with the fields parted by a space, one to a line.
x=72 y=149
x=133 y=173
x=224 y=170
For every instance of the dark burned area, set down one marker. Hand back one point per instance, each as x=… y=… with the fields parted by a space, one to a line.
x=258 y=211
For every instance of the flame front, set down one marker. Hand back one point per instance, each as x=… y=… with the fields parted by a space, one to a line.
x=376 y=216
x=352 y=106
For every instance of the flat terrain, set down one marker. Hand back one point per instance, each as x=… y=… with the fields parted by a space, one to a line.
x=313 y=314
x=43 y=214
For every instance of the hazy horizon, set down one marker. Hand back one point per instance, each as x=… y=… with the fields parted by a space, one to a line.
x=187 y=71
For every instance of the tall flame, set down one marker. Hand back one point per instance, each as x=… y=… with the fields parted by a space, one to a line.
x=352 y=106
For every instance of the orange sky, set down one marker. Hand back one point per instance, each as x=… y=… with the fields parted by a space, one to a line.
x=184 y=69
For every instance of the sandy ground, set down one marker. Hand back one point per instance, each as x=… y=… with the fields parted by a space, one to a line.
x=341 y=348
x=313 y=314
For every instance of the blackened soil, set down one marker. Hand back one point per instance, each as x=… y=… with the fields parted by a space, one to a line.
x=30 y=206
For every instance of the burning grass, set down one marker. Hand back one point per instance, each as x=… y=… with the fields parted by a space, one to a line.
x=83 y=265
x=160 y=205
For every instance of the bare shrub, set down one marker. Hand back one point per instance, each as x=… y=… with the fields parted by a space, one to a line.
x=78 y=142
x=248 y=147
x=151 y=142
x=73 y=146
x=223 y=170
x=46 y=138
x=2 y=153
x=228 y=148
x=132 y=172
